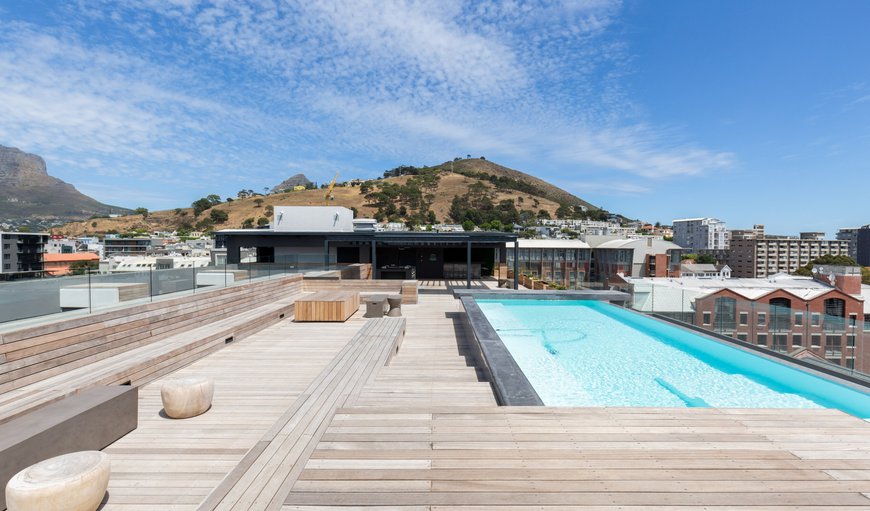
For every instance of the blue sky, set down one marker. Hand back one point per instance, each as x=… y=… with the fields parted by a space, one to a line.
x=752 y=112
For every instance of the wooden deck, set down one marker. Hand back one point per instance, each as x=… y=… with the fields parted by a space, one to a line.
x=306 y=417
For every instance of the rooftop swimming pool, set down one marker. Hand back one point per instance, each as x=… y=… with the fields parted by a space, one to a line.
x=592 y=353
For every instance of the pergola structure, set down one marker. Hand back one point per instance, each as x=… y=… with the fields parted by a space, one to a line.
x=274 y=246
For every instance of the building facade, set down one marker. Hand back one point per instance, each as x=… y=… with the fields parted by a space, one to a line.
x=830 y=322
x=762 y=257
x=645 y=257
x=862 y=246
x=21 y=254
x=127 y=246
x=562 y=262
x=850 y=234
x=697 y=234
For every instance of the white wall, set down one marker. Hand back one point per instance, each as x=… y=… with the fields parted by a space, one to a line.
x=312 y=219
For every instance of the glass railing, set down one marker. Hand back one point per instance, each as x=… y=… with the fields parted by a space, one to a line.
x=831 y=341
x=93 y=290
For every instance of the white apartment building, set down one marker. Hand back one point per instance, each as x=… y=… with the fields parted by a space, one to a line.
x=701 y=234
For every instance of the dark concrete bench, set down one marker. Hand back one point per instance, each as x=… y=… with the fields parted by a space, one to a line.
x=88 y=421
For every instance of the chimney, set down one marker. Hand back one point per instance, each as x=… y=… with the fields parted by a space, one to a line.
x=845 y=278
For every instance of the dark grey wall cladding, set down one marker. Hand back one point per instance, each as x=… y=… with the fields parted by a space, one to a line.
x=520 y=294
x=510 y=384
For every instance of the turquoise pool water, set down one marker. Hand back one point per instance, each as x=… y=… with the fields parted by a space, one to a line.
x=592 y=353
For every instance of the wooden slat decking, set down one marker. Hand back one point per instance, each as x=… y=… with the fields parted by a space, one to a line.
x=594 y=458
x=168 y=464
x=422 y=433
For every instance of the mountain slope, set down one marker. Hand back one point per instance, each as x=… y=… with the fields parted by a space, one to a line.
x=476 y=167
x=28 y=195
x=449 y=185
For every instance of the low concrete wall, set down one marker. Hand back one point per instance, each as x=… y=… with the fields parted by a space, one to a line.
x=89 y=421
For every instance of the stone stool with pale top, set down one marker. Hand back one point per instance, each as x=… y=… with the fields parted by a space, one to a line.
x=187 y=397
x=71 y=482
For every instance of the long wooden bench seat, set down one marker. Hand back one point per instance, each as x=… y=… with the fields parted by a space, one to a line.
x=88 y=421
x=140 y=363
x=36 y=353
x=267 y=473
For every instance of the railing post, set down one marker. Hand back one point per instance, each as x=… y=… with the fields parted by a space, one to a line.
x=90 y=304
x=150 y=284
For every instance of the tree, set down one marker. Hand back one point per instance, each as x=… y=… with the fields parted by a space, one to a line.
x=352 y=209
x=248 y=223
x=200 y=205
x=706 y=259
x=93 y=224
x=431 y=218
x=177 y=211
x=544 y=214
x=270 y=210
x=142 y=211
x=262 y=221
x=82 y=267
x=838 y=260
x=468 y=225
x=213 y=198
x=258 y=202
x=219 y=216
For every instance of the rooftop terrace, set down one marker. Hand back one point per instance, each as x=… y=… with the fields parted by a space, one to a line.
x=316 y=416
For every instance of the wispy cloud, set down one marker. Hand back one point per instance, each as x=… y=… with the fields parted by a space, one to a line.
x=184 y=88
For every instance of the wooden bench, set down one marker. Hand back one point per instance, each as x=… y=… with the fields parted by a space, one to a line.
x=327 y=306
x=148 y=341
x=267 y=473
x=406 y=288
x=88 y=421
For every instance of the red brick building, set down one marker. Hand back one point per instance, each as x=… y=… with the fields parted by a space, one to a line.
x=829 y=322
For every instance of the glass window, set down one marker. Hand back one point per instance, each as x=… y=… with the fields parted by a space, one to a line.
x=833 y=348
x=726 y=310
x=741 y=337
x=798 y=319
x=815 y=319
x=850 y=341
x=797 y=340
x=762 y=318
x=816 y=340
x=780 y=342
x=744 y=318
x=780 y=314
x=706 y=318
x=762 y=339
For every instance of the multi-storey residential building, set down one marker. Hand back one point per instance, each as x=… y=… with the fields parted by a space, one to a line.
x=850 y=234
x=756 y=232
x=762 y=257
x=862 y=249
x=697 y=234
x=645 y=257
x=859 y=239
x=21 y=254
x=127 y=246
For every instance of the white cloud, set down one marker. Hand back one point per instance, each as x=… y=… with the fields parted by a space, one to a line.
x=181 y=89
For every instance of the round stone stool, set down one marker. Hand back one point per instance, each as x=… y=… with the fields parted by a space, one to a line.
x=395 y=306
x=72 y=482
x=187 y=397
